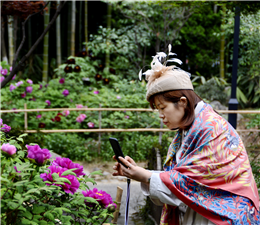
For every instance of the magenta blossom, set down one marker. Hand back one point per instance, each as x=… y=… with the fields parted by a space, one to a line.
x=40 y=156
x=6 y=128
x=40 y=87
x=1 y=79
x=103 y=198
x=16 y=170
x=96 y=92
x=29 y=89
x=66 y=112
x=23 y=95
x=29 y=81
x=91 y=125
x=68 y=188
x=9 y=149
x=12 y=87
x=65 y=92
x=1 y=122
x=11 y=68
x=19 y=83
x=62 y=81
x=14 y=77
x=79 y=106
x=127 y=117
x=68 y=164
x=4 y=72
x=48 y=102
x=39 y=116
x=81 y=118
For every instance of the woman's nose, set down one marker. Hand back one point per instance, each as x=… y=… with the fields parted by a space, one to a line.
x=161 y=115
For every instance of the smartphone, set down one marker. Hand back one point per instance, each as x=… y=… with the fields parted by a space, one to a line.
x=117 y=150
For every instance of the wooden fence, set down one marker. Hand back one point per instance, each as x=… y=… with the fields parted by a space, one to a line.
x=108 y=130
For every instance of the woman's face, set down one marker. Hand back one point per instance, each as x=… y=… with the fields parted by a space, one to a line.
x=170 y=113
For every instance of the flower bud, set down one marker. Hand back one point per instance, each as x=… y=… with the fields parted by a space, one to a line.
x=9 y=149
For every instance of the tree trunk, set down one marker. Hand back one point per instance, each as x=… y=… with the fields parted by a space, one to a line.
x=46 y=47
x=73 y=28
x=86 y=25
x=109 y=9
x=222 y=45
x=15 y=31
x=69 y=29
x=80 y=25
x=11 y=38
x=58 y=39
x=3 y=47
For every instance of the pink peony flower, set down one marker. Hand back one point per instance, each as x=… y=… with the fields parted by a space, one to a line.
x=68 y=188
x=48 y=102
x=66 y=112
x=103 y=198
x=91 y=125
x=4 y=72
x=19 y=83
x=1 y=79
x=23 y=95
x=68 y=164
x=12 y=87
x=81 y=118
x=9 y=149
x=39 y=116
x=65 y=92
x=29 y=81
x=29 y=89
x=11 y=68
x=1 y=122
x=39 y=155
x=96 y=92
x=14 y=77
x=118 y=97
x=79 y=106
x=6 y=128
x=62 y=81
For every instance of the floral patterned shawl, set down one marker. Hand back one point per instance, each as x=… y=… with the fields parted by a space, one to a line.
x=213 y=176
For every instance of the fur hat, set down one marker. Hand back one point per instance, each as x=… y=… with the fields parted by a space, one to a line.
x=162 y=78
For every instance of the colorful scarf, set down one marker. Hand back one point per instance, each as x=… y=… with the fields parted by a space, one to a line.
x=213 y=176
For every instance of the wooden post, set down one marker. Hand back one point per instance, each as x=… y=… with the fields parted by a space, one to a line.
x=99 y=134
x=25 y=118
x=118 y=200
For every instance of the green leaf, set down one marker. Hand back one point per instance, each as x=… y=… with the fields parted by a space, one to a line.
x=17 y=196
x=23 y=135
x=55 y=176
x=68 y=172
x=58 y=210
x=42 y=222
x=13 y=205
x=25 y=221
x=19 y=139
x=65 y=209
x=99 y=172
x=28 y=215
x=38 y=209
x=63 y=179
x=49 y=215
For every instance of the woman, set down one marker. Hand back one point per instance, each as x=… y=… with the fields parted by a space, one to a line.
x=207 y=174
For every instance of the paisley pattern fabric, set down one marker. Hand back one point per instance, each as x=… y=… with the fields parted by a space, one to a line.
x=213 y=176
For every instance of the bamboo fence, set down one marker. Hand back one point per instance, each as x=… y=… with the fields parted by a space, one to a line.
x=108 y=130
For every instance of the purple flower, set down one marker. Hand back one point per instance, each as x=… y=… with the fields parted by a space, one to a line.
x=23 y=95
x=16 y=170
x=65 y=92
x=68 y=164
x=19 y=83
x=79 y=106
x=39 y=155
x=91 y=125
x=62 y=81
x=4 y=71
x=39 y=116
x=14 y=110
x=29 y=89
x=9 y=149
x=96 y=92
x=6 y=128
x=68 y=188
x=14 y=77
x=48 y=102
x=66 y=112
x=103 y=198
x=12 y=87
x=71 y=100
x=11 y=68
x=40 y=87
x=118 y=97
x=127 y=117
x=29 y=81
x=1 y=122
x=81 y=118
x=1 y=79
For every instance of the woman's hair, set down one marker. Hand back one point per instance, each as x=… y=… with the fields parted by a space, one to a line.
x=174 y=97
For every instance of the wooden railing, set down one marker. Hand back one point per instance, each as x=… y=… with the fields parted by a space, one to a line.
x=100 y=130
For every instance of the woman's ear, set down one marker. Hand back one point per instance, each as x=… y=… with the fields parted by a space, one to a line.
x=183 y=101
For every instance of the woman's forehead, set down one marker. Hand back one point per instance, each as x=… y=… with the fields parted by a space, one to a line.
x=158 y=100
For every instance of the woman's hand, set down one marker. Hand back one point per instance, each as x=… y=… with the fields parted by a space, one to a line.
x=133 y=171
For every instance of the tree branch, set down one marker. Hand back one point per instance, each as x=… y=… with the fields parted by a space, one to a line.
x=16 y=68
